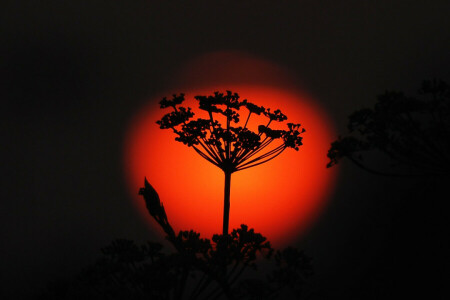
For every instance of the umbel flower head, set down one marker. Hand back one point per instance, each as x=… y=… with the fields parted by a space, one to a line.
x=229 y=146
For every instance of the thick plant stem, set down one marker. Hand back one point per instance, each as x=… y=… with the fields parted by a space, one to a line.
x=226 y=202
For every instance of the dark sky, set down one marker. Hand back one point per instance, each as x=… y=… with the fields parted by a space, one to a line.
x=72 y=73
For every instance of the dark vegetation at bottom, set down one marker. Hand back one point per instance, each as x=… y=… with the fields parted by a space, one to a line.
x=223 y=267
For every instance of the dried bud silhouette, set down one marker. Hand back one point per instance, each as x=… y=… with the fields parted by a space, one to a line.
x=229 y=146
x=156 y=208
x=413 y=132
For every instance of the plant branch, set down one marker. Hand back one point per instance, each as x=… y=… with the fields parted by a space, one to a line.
x=256 y=164
x=205 y=156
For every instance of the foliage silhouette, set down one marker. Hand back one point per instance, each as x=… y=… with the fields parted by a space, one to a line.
x=231 y=148
x=237 y=250
x=194 y=271
x=414 y=132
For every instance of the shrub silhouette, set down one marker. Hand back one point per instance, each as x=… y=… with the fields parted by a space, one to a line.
x=413 y=132
x=194 y=271
x=231 y=148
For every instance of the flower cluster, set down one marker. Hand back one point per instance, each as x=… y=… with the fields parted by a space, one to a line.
x=230 y=147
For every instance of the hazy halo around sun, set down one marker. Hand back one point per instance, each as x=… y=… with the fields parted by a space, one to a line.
x=279 y=199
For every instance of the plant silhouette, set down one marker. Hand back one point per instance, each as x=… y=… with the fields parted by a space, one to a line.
x=414 y=132
x=230 y=147
x=194 y=271
x=202 y=268
x=237 y=250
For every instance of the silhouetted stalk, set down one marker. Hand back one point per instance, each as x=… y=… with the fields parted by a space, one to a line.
x=217 y=292
x=356 y=162
x=216 y=296
x=226 y=202
x=182 y=284
x=236 y=264
x=231 y=148
x=221 y=289
x=248 y=118
x=201 y=285
x=236 y=277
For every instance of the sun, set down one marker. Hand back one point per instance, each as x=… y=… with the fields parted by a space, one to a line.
x=280 y=199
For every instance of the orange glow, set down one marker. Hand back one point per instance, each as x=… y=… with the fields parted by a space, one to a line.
x=279 y=199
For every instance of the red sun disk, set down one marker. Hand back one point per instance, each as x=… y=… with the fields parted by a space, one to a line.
x=279 y=199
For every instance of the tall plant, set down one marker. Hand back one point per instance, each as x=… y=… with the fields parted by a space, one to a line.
x=230 y=147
